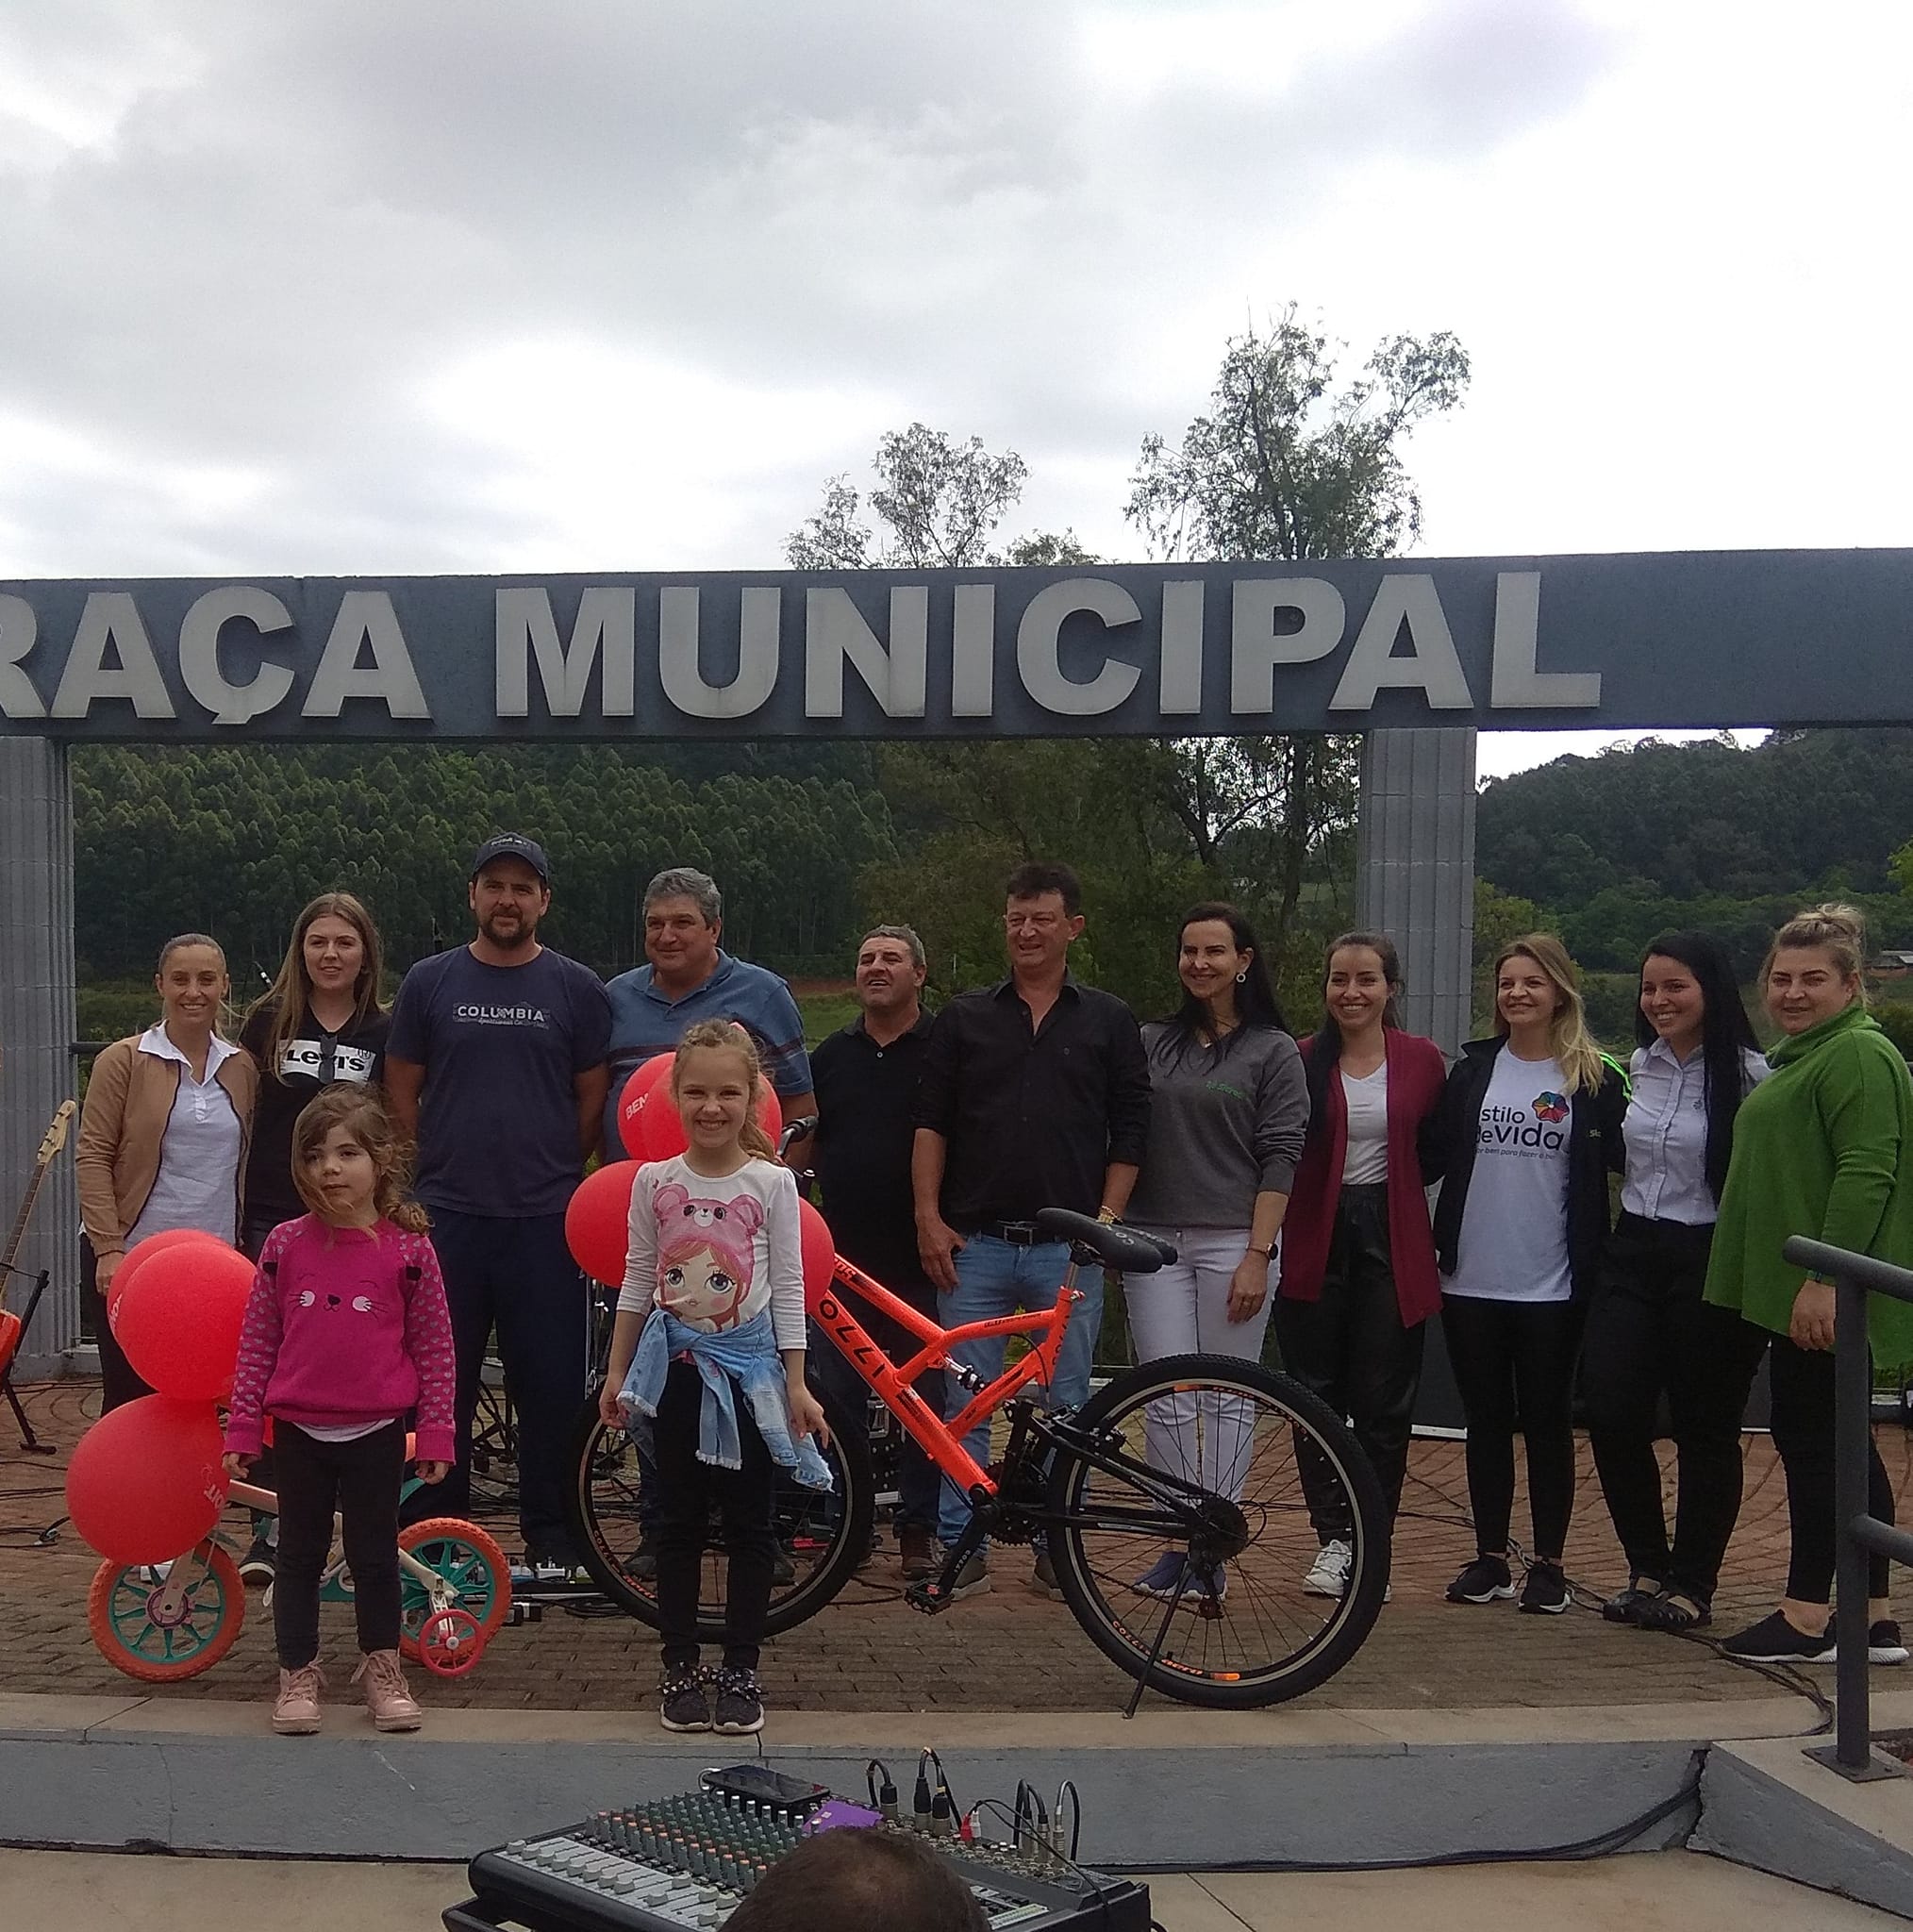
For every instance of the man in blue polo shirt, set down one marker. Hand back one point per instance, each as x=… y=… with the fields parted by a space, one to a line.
x=689 y=979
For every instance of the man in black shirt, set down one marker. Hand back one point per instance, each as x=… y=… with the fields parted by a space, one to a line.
x=1034 y=1093
x=865 y=1078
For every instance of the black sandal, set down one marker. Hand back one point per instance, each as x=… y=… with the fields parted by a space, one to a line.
x=1674 y=1611
x=1626 y=1606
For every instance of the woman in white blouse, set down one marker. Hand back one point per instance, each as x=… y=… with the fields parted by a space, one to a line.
x=1649 y=1328
x=162 y=1137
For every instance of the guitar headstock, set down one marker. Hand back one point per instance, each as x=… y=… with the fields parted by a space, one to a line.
x=56 y=1133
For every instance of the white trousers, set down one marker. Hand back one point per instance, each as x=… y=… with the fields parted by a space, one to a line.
x=1184 y=1310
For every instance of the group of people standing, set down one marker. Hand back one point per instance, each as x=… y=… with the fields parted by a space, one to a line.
x=1292 y=1178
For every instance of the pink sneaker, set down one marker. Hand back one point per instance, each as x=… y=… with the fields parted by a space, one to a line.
x=387 y=1696
x=296 y=1710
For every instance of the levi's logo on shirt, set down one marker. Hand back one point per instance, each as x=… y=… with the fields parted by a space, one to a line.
x=307 y=1056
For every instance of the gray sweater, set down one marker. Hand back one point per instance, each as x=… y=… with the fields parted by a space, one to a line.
x=1226 y=1124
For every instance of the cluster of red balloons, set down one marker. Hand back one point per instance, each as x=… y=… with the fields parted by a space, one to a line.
x=146 y=1483
x=598 y=1218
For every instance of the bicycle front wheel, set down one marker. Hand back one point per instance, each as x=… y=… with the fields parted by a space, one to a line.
x=822 y=1536
x=1189 y=1511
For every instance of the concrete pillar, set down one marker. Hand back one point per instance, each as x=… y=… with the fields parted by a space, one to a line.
x=37 y=1031
x=1415 y=869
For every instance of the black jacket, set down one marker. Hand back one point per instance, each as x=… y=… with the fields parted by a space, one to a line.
x=1453 y=1133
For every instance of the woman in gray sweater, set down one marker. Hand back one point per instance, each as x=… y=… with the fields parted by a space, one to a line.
x=1228 y=1112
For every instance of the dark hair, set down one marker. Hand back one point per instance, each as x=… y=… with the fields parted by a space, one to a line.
x=1324 y=1050
x=1725 y=1034
x=1255 y=1001
x=1033 y=879
x=861 y=1881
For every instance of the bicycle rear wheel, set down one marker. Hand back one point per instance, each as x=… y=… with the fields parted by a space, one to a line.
x=1187 y=1519
x=823 y=1536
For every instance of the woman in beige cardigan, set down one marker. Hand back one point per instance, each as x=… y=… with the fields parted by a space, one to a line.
x=163 y=1139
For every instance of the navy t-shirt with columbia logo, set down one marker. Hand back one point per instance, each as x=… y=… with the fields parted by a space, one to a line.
x=501 y=1046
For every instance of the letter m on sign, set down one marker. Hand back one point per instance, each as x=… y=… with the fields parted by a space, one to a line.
x=528 y=630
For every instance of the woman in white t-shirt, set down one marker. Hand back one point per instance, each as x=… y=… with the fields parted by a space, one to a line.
x=1528 y=1127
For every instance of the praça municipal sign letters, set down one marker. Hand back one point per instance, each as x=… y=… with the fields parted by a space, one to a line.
x=1646 y=640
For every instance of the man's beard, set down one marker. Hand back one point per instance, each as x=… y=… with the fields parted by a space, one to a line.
x=508 y=931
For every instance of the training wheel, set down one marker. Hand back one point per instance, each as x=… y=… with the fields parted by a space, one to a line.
x=450 y=1642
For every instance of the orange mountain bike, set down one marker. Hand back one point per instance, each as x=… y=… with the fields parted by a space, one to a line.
x=1183 y=1505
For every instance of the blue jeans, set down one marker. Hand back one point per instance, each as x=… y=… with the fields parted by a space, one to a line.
x=994 y=1278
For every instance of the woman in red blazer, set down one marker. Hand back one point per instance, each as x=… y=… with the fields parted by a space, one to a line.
x=1358 y=1276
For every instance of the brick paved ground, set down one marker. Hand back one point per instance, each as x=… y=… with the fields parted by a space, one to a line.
x=1007 y=1650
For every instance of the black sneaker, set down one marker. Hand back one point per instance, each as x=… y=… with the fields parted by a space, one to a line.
x=1544 y=1591
x=642 y=1568
x=1043 y=1577
x=257 y=1566
x=682 y=1702
x=1774 y=1640
x=740 y=1702
x=1484 y=1581
x=1882 y=1644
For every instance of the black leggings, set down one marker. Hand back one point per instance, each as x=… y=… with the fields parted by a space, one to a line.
x=1350 y=1348
x=1514 y=1367
x=746 y=1498
x=360 y=1480
x=1803 y=1384
x=1650 y=1329
x=119 y=1381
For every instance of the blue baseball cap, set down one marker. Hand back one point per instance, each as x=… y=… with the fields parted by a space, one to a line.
x=513 y=846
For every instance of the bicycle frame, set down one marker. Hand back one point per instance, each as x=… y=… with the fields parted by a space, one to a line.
x=895 y=1382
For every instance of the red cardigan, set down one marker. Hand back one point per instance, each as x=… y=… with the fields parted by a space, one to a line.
x=1416 y=1075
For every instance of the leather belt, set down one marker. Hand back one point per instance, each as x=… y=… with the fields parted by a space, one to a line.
x=1018 y=1234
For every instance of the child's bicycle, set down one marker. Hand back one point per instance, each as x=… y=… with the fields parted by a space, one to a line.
x=165 y=1622
x=1171 y=1503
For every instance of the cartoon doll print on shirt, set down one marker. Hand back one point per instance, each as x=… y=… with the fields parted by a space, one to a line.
x=705 y=1255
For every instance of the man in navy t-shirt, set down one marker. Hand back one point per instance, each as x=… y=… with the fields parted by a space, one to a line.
x=495 y=1062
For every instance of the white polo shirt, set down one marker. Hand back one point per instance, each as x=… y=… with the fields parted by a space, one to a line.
x=197 y=1185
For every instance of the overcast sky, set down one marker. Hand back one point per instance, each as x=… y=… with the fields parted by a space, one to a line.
x=370 y=286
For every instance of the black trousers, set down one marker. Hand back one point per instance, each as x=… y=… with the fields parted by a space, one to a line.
x=1350 y=1348
x=745 y=1498
x=360 y=1480
x=1650 y=1331
x=1514 y=1368
x=1803 y=1423
x=119 y=1382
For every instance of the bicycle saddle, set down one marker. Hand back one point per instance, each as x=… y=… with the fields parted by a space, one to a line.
x=1126 y=1249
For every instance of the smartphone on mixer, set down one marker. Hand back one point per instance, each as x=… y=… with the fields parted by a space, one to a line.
x=767 y=1786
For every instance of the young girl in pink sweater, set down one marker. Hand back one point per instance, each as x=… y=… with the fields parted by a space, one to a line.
x=347 y=1330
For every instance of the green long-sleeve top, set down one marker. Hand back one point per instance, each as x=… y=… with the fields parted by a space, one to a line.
x=1822 y=1147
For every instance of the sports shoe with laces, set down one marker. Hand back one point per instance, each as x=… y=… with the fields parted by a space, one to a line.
x=296 y=1710
x=259 y=1563
x=739 y=1702
x=387 y=1696
x=1484 y=1581
x=683 y=1705
x=1329 y=1575
x=973 y=1579
x=1160 y=1579
x=1774 y=1640
x=1043 y=1577
x=918 y=1550
x=1882 y=1644
x=1544 y=1591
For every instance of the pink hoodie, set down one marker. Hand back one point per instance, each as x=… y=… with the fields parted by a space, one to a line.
x=345 y=1326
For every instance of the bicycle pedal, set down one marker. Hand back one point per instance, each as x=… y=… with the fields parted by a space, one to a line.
x=926 y=1597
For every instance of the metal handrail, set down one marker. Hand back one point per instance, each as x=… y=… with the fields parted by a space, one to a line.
x=1854 y=1278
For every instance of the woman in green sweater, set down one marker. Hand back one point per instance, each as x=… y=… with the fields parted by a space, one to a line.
x=1822 y=1147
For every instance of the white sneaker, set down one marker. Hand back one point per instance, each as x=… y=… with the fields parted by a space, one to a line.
x=1329 y=1577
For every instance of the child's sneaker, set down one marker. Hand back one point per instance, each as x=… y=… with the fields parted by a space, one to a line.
x=682 y=1702
x=739 y=1702
x=387 y=1695
x=296 y=1710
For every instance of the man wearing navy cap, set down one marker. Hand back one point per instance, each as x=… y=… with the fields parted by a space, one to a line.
x=496 y=1063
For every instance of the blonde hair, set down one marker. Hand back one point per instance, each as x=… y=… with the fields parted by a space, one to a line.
x=1838 y=931
x=1569 y=1040
x=726 y=1036
x=290 y=996
x=361 y=1116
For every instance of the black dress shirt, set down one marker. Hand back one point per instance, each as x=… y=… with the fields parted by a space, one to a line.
x=1032 y=1118
x=865 y=1126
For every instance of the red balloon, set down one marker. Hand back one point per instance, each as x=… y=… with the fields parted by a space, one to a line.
x=144 y=1484
x=131 y=1263
x=179 y=1321
x=598 y=1222
x=819 y=1251
x=650 y=1124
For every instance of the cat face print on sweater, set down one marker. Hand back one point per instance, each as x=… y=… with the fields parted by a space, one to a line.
x=365 y=1302
x=707 y=1252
